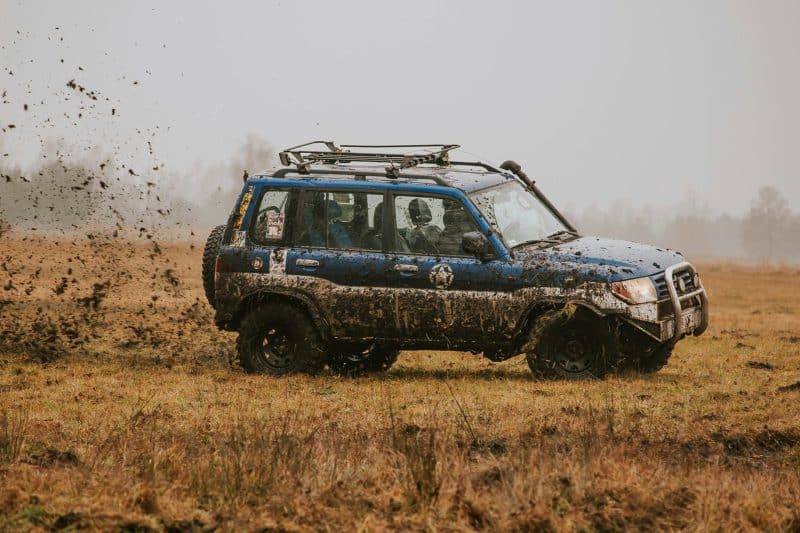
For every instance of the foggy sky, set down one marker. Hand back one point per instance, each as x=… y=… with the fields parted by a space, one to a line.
x=648 y=101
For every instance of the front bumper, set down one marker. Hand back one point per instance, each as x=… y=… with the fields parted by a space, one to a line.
x=682 y=310
x=692 y=320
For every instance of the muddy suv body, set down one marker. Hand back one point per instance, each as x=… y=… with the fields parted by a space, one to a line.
x=348 y=255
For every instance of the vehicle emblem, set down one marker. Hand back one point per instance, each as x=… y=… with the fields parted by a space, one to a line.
x=441 y=276
x=682 y=284
x=257 y=263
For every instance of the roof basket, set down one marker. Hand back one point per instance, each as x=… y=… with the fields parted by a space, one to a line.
x=403 y=155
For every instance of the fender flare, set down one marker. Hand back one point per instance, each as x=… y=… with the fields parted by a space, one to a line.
x=296 y=298
x=540 y=307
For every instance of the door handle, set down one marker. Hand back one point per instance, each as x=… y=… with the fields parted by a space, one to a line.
x=406 y=268
x=307 y=262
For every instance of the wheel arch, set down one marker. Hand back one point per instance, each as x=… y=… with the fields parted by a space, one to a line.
x=540 y=307
x=265 y=297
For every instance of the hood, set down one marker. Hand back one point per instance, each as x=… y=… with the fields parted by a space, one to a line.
x=593 y=259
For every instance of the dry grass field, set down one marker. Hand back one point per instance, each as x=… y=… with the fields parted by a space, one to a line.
x=120 y=409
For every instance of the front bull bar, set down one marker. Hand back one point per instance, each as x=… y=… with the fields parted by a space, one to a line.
x=677 y=300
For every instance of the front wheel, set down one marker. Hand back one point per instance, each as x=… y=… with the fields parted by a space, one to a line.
x=279 y=339
x=576 y=347
x=373 y=360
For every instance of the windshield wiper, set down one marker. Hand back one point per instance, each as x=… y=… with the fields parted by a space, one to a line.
x=563 y=232
x=555 y=238
x=537 y=241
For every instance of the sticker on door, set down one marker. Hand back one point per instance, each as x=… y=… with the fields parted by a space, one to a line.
x=277 y=262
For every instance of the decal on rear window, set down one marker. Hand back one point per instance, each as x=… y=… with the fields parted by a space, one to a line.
x=275 y=223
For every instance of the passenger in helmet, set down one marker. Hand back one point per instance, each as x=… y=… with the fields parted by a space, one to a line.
x=457 y=222
x=321 y=218
x=423 y=235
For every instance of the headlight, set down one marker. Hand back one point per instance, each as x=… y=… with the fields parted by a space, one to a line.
x=635 y=291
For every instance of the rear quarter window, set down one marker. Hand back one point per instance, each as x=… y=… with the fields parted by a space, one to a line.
x=274 y=217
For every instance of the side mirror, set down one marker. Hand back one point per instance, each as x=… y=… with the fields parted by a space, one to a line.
x=475 y=243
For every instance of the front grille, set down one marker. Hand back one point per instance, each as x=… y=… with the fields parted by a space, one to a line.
x=665 y=309
x=661 y=283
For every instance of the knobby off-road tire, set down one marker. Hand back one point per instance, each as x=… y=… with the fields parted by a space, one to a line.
x=279 y=339
x=374 y=360
x=210 y=253
x=574 y=346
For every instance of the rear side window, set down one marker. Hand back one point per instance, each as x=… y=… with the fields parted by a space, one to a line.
x=342 y=220
x=274 y=218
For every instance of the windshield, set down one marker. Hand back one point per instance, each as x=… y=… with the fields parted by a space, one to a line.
x=518 y=215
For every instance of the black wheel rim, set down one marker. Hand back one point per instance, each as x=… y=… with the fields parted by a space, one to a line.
x=276 y=350
x=576 y=351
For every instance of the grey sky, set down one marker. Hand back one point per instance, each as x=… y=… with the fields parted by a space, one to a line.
x=599 y=100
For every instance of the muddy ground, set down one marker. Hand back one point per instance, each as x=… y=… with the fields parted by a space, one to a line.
x=122 y=408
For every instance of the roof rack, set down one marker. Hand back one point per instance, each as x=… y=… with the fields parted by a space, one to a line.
x=303 y=157
x=359 y=174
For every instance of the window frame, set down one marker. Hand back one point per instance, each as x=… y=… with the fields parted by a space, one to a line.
x=286 y=239
x=393 y=231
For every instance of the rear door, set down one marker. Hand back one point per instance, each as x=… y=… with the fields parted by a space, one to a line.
x=338 y=257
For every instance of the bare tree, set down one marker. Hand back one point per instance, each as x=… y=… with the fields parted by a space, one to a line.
x=766 y=231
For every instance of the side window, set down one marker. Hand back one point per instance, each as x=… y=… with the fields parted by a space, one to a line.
x=344 y=220
x=274 y=218
x=427 y=225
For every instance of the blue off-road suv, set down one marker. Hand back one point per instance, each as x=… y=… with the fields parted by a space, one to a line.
x=351 y=253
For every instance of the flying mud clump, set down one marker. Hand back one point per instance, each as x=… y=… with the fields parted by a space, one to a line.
x=98 y=254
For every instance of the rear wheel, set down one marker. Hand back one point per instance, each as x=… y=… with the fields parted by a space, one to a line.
x=373 y=360
x=577 y=347
x=210 y=253
x=279 y=339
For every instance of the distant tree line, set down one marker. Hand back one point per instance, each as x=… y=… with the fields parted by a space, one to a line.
x=768 y=232
x=78 y=196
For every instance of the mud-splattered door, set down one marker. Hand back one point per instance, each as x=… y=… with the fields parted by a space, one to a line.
x=440 y=292
x=339 y=259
